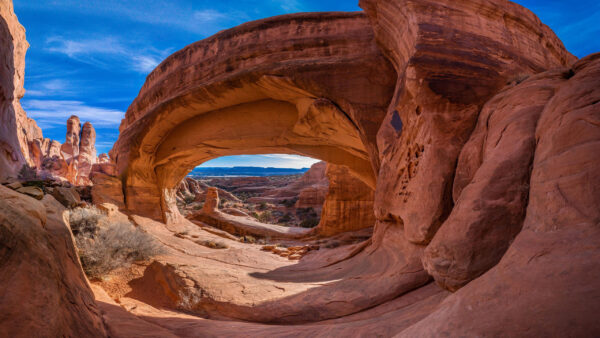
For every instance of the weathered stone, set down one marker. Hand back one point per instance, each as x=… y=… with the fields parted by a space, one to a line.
x=51 y=274
x=107 y=189
x=68 y=197
x=32 y=191
x=15 y=185
x=348 y=206
x=87 y=154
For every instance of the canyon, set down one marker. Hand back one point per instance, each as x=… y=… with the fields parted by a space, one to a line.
x=459 y=196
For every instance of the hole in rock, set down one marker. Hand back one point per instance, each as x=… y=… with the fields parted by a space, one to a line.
x=249 y=224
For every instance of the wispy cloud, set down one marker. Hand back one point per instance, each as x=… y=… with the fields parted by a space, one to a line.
x=49 y=88
x=54 y=113
x=289 y=6
x=107 y=52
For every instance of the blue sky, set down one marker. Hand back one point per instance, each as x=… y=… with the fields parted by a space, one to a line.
x=91 y=57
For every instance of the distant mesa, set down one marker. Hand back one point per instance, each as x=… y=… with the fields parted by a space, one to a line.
x=245 y=171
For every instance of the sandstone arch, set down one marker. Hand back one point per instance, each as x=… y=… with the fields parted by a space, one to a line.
x=408 y=115
x=319 y=87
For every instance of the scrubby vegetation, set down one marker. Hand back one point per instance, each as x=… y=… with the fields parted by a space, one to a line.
x=310 y=223
x=213 y=244
x=105 y=244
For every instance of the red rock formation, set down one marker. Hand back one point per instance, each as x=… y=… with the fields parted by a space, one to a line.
x=284 y=112
x=44 y=289
x=486 y=192
x=87 y=154
x=348 y=206
x=195 y=189
x=450 y=58
x=15 y=127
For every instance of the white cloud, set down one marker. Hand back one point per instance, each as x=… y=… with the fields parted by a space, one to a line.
x=209 y=15
x=107 y=52
x=290 y=6
x=50 y=87
x=54 y=113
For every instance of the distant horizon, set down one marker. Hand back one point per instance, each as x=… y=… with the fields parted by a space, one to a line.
x=279 y=161
x=251 y=166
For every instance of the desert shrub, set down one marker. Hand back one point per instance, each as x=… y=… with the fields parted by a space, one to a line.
x=189 y=199
x=248 y=239
x=264 y=217
x=262 y=206
x=104 y=244
x=84 y=221
x=285 y=219
x=309 y=223
x=289 y=203
x=212 y=244
x=27 y=173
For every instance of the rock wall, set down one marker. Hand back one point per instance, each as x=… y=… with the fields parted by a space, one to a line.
x=45 y=292
x=348 y=205
x=15 y=128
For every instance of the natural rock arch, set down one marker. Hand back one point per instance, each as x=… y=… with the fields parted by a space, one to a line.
x=413 y=111
x=319 y=87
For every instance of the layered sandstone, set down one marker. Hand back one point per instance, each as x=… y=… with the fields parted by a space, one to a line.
x=348 y=206
x=482 y=148
x=44 y=290
x=14 y=124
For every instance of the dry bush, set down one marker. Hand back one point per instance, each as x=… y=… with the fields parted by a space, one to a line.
x=105 y=245
x=213 y=244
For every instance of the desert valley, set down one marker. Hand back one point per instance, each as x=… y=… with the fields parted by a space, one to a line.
x=456 y=192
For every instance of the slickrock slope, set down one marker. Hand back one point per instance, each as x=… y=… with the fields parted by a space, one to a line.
x=44 y=291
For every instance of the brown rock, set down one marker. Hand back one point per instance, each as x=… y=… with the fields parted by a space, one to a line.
x=14 y=185
x=443 y=81
x=107 y=189
x=279 y=108
x=349 y=203
x=68 y=197
x=211 y=204
x=34 y=192
x=13 y=120
x=51 y=284
x=87 y=154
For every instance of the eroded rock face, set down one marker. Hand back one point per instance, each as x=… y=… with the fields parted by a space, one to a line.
x=14 y=124
x=87 y=154
x=489 y=190
x=452 y=153
x=316 y=108
x=349 y=203
x=451 y=57
x=41 y=276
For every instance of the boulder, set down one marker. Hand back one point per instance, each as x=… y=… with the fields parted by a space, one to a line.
x=106 y=189
x=32 y=191
x=67 y=196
